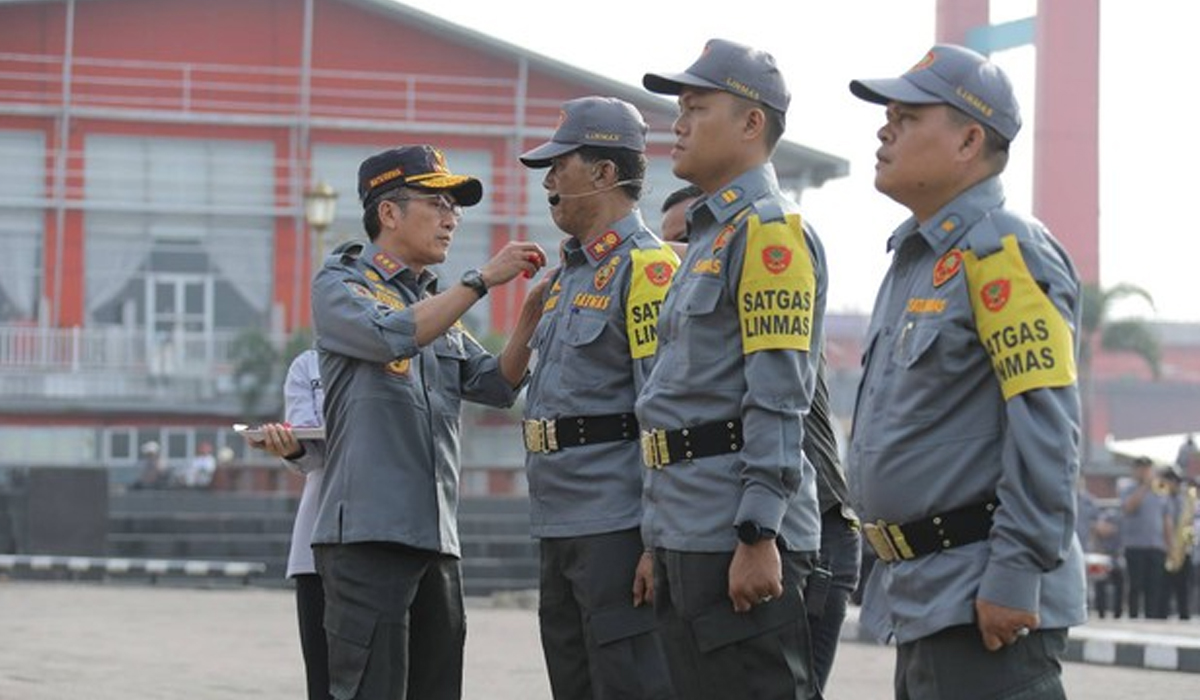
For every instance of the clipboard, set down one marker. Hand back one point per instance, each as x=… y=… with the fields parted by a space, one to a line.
x=258 y=434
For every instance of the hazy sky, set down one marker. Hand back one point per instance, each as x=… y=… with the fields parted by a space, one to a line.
x=1146 y=83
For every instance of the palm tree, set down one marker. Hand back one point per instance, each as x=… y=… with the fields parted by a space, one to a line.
x=1102 y=332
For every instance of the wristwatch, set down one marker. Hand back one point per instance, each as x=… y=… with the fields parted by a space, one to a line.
x=473 y=278
x=750 y=532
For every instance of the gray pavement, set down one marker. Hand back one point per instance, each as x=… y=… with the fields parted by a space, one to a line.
x=71 y=641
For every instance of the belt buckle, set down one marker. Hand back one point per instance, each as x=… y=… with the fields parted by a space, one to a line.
x=880 y=541
x=654 y=449
x=535 y=435
x=541 y=435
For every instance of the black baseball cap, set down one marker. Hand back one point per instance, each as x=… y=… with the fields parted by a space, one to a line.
x=415 y=166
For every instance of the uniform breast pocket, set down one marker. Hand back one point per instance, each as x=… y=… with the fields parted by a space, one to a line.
x=450 y=355
x=925 y=362
x=582 y=338
x=702 y=334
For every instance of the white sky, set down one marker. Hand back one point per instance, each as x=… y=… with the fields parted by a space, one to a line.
x=1146 y=93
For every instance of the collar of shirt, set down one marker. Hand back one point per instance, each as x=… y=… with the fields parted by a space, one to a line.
x=948 y=225
x=603 y=245
x=393 y=270
x=733 y=197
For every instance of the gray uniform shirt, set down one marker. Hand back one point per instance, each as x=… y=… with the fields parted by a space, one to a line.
x=392 y=407
x=585 y=368
x=1143 y=528
x=932 y=432
x=701 y=375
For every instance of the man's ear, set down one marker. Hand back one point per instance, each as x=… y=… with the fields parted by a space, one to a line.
x=973 y=140
x=755 y=122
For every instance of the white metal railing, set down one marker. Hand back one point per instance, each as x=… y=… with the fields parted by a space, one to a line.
x=190 y=88
x=28 y=348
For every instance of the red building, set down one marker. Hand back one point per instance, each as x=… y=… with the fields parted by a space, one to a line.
x=155 y=157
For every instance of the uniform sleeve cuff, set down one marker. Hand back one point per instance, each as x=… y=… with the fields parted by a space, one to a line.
x=761 y=506
x=1013 y=588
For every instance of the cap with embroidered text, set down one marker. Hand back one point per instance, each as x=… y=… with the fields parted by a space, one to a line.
x=732 y=67
x=423 y=167
x=956 y=76
x=591 y=121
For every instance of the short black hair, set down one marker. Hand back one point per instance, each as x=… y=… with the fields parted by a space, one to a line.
x=680 y=195
x=995 y=146
x=370 y=217
x=631 y=166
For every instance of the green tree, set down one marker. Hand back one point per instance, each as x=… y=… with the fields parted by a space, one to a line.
x=1102 y=332
x=255 y=369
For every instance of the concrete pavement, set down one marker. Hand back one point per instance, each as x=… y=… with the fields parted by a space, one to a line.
x=130 y=640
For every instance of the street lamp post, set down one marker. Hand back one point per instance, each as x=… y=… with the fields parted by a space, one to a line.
x=320 y=204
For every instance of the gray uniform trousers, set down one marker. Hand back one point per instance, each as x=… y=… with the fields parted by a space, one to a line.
x=597 y=645
x=716 y=653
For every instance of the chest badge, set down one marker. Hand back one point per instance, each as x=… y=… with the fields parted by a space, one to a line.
x=659 y=273
x=994 y=294
x=776 y=258
x=947 y=267
x=604 y=274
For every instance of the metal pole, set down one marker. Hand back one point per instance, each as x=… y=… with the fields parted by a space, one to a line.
x=60 y=164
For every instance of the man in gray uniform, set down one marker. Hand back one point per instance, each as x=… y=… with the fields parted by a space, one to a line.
x=594 y=345
x=731 y=502
x=396 y=364
x=964 y=452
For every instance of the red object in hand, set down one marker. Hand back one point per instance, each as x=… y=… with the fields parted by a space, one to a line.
x=537 y=259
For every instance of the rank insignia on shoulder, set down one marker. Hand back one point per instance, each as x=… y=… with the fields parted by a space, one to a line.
x=776 y=258
x=947 y=267
x=603 y=245
x=730 y=195
x=385 y=262
x=372 y=275
x=994 y=294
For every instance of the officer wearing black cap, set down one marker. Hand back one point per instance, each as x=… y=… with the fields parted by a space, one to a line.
x=965 y=448
x=730 y=499
x=396 y=363
x=594 y=345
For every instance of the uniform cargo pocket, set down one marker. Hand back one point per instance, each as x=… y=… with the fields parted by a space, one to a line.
x=721 y=626
x=614 y=624
x=349 y=632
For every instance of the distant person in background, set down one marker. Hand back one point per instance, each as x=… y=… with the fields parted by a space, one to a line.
x=1145 y=533
x=674 y=213
x=1177 y=582
x=199 y=474
x=303 y=401
x=153 y=473
x=1109 y=592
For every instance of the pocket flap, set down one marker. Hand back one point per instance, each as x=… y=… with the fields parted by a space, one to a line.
x=584 y=328
x=617 y=623
x=721 y=626
x=351 y=624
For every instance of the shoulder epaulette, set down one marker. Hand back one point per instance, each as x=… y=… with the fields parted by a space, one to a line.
x=348 y=251
x=984 y=238
x=768 y=208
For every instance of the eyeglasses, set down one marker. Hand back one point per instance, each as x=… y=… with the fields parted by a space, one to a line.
x=445 y=203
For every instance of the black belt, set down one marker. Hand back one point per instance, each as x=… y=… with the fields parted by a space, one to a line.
x=955 y=528
x=663 y=447
x=552 y=435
